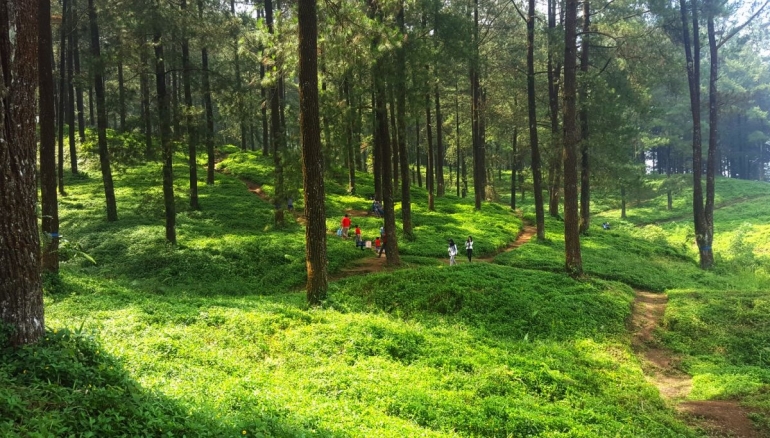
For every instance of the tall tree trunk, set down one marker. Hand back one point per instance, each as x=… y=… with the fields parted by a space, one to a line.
x=554 y=69
x=406 y=200
x=312 y=157
x=172 y=76
x=573 y=257
x=429 y=176
x=62 y=95
x=382 y=138
x=707 y=253
x=514 y=165
x=394 y=136
x=121 y=96
x=21 y=292
x=536 y=177
x=622 y=202
x=208 y=109
x=50 y=209
x=101 y=116
x=585 y=174
x=165 y=139
x=439 y=164
x=78 y=85
x=692 y=55
x=417 y=154
x=350 y=158
x=190 y=119
x=457 y=134
x=144 y=86
x=376 y=150
x=71 y=88
x=277 y=131
x=479 y=172
x=263 y=110
x=91 y=118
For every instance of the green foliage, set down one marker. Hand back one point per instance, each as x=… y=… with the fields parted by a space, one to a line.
x=125 y=149
x=66 y=385
x=213 y=338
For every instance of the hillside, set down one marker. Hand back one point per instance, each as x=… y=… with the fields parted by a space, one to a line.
x=213 y=338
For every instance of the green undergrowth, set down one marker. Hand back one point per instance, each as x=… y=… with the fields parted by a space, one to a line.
x=725 y=339
x=472 y=350
x=213 y=337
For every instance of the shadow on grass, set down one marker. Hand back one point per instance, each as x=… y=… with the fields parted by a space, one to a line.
x=66 y=384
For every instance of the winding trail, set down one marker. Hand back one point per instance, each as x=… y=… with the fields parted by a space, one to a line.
x=719 y=418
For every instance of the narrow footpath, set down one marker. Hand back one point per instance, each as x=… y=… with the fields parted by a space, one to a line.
x=719 y=418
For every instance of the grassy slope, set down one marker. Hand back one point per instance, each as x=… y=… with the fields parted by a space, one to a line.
x=210 y=339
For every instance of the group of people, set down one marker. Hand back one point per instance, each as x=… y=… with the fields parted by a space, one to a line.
x=379 y=242
x=453 y=250
x=344 y=232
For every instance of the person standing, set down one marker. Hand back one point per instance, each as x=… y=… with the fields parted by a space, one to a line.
x=345 y=226
x=359 y=242
x=469 y=248
x=382 y=246
x=452 y=252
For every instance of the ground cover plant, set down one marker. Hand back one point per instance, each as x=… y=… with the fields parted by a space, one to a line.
x=213 y=338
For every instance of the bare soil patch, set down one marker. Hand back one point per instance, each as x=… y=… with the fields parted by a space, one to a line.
x=719 y=418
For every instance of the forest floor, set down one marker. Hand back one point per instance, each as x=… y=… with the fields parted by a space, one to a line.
x=719 y=418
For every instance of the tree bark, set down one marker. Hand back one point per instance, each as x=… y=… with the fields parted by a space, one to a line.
x=457 y=134
x=514 y=165
x=479 y=172
x=62 y=95
x=277 y=131
x=50 y=209
x=209 y=108
x=707 y=253
x=121 y=96
x=71 y=88
x=101 y=116
x=573 y=257
x=312 y=156
x=555 y=168
x=406 y=200
x=532 y=112
x=692 y=55
x=585 y=174
x=149 y=150
x=190 y=120
x=21 y=293
x=429 y=176
x=78 y=85
x=263 y=110
x=165 y=139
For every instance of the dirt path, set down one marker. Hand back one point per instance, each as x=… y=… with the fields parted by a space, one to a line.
x=720 y=418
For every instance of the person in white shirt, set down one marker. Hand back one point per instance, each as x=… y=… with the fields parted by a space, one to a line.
x=469 y=248
x=452 y=252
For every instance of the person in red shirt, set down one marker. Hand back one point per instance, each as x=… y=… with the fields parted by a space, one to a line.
x=345 y=226
x=359 y=242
